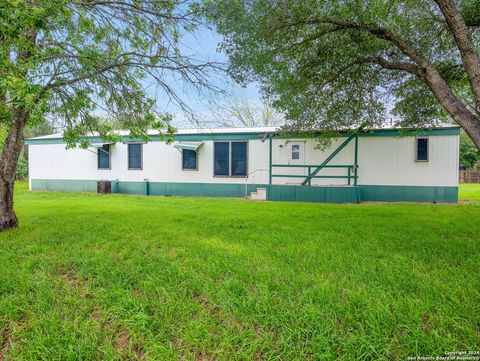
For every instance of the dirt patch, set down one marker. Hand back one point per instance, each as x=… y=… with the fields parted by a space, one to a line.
x=224 y=317
x=185 y=352
x=207 y=304
x=124 y=346
x=426 y=324
x=122 y=341
x=70 y=278
x=5 y=335
x=204 y=357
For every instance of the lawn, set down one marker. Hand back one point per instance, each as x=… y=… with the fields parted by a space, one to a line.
x=159 y=278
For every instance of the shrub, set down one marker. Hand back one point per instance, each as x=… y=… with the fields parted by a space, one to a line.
x=22 y=168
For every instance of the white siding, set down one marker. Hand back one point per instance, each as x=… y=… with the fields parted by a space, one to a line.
x=161 y=163
x=382 y=161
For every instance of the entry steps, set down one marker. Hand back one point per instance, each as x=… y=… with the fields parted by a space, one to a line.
x=259 y=195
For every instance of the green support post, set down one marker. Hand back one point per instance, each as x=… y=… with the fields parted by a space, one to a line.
x=336 y=151
x=270 y=160
x=349 y=174
x=356 y=161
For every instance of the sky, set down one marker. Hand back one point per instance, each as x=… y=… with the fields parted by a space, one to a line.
x=202 y=45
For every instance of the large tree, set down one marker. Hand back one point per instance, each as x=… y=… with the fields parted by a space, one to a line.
x=333 y=64
x=80 y=61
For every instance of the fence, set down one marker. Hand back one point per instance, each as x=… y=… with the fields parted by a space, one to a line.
x=469 y=176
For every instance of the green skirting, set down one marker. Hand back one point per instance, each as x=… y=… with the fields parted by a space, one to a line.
x=64 y=185
x=332 y=194
x=313 y=194
x=363 y=193
x=150 y=188
x=433 y=194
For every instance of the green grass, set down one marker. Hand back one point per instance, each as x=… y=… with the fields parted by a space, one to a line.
x=469 y=192
x=116 y=277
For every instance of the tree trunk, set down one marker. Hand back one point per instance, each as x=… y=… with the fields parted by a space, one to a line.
x=459 y=112
x=8 y=218
x=8 y=165
x=461 y=34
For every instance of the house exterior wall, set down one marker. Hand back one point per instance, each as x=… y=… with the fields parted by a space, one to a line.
x=161 y=163
x=386 y=166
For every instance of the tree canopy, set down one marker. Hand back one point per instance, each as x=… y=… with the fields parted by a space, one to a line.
x=469 y=154
x=74 y=60
x=82 y=61
x=334 y=64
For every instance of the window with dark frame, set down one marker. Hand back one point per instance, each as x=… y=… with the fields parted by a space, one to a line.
x=189 y=159
x=239 y=159
x=230 y=159
x=103 y=157
x=421 y=149
x=221 y=158
x=135 y=156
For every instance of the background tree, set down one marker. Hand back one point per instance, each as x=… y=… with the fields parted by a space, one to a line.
x=237 y=112
x=334 y=64
x=469 y=154
x=74 y=60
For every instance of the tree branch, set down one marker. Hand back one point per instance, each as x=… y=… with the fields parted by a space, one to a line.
x=471 y=60
x=422 y=68
x=377 y=31
x=411 y=68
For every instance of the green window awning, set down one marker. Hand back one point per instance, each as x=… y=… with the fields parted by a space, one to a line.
x=188 y=145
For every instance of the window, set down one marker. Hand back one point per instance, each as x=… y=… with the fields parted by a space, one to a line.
x=222 y=155
x=295 y=151
x=239 y=158
x=189 y=159
x=230 y=159
x=421 y=153
x=103 y=157
x=135 y=156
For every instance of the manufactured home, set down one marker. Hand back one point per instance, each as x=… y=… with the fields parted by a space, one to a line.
x=400 y=165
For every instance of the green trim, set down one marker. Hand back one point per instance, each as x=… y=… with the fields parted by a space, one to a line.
x=157 y=138
x=313 y=176
x=355 y=171
x=270 y=165
x=244 y=136
x=325 y=194
x=328 y=159
x=312 y=165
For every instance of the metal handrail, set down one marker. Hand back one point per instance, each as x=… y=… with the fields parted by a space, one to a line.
x=248 y=175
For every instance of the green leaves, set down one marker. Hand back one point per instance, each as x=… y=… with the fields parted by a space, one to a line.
x=469 y=154
x=330 y=64
x=85 y=64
